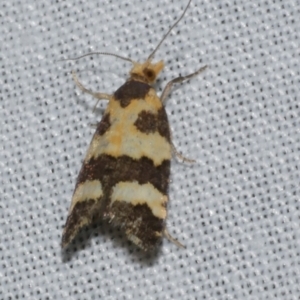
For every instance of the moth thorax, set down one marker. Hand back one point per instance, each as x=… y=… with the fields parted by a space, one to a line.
x=146 y=72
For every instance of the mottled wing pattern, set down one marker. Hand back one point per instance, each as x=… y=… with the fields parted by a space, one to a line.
x=87 y=200
x=125 y=175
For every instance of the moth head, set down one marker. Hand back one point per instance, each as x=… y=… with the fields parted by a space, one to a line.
x=147 y=71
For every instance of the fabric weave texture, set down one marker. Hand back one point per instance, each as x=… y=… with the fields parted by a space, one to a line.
x=236 y=209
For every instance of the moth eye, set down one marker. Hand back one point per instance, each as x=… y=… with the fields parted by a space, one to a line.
x=149 y=74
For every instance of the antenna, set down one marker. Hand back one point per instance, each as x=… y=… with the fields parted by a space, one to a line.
x=128 y=59
x=99 y=53
x=182 y=15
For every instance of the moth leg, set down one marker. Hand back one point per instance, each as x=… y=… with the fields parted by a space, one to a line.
x=93 y=125
x=99 y=96
x=180 y=156
x=179 y=79
x=172 y=239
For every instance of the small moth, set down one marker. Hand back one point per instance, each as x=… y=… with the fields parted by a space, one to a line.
x=125 y=175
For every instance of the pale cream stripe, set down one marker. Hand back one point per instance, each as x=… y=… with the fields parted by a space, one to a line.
x=85 y=191
x=135 y=193
x=123 y=138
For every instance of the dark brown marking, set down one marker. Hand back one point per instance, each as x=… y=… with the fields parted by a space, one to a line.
x=104 y=125
x=110 y=170
x=149 y=74
x=81 y=210
x=163 y=124
x=137 y=220
x=146 y=122
x=131 y=90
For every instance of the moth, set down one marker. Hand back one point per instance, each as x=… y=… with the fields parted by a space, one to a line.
x=124 y=178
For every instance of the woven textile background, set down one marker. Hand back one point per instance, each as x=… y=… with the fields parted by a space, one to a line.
x=236 y=209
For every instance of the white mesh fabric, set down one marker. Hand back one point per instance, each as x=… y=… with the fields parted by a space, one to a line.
x=236 y=209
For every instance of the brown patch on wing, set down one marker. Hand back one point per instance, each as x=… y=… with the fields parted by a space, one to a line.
x=163 y=124
x=104 y=125
x=131 y=90
x=138 y=222
x=110 y=170
x=146 y=122
x=81 y=215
